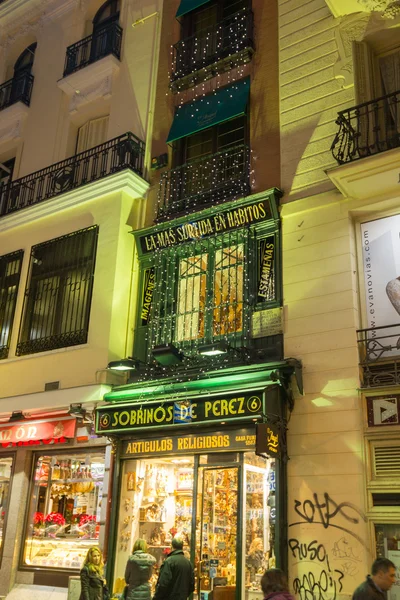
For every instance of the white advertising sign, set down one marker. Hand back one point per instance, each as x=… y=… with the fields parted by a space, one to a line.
x=381 y=261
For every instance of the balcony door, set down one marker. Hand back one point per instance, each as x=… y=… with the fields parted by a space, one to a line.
x=22 y=70
x=103 y=30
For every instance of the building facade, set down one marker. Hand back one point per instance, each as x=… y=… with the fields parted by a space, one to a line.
x=76 y=103
x=339 y=146
x=209 y=380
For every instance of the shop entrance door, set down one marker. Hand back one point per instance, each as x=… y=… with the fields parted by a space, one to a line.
x=216 y=533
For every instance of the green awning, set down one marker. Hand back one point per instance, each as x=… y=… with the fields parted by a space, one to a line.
x=189 y=5
x=220 y=106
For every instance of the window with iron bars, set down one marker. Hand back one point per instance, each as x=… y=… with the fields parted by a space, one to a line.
x=10 y=272
x=59 y=291
x=204 y=290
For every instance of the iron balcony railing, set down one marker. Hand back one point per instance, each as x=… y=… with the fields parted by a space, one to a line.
x=367 y=129
x=104 y=41
x=123 y=152
x=231 y=36
x=379 y=355
x=210 y=179
x=17 y=89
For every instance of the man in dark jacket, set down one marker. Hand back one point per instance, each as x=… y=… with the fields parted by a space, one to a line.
x=383 y=576
x=176 y=577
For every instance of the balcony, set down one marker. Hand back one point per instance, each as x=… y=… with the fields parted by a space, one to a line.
x=103 y=42
x=123 y=152
x=379 y=356
x=367 y=129
x=213 y=50
x=18 y=89
x=207 y=180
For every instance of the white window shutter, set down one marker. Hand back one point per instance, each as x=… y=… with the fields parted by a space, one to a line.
x=91 y=134
x=97 y=132
x=364 y=72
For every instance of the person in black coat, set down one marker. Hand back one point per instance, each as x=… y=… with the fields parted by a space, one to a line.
x=93 y=585
x=383 y=576
x=138 y=571
x=176 y=577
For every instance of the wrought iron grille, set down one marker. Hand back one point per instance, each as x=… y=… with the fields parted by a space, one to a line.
x=207 y=180
x=367 y=129
x=231 y=37
x=379 y=355
x=59 y=292
x=123 y=152
x=200 y=294
x=17 y=89
x=102 y=42
x=10 y=272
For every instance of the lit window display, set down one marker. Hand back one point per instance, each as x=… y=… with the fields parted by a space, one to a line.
x=6 y=464
x=199 y=500
x=64 y=514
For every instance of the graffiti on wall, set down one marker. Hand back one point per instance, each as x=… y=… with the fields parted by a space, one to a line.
x=326 y=553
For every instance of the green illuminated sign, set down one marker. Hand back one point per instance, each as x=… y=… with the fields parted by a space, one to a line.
x=187 y=412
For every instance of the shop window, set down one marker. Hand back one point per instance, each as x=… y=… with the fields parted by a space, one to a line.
x=198 y=499
x=6 y=468
x=58 y=294
x=64 y=509
x=91 y=134
x=10 y=272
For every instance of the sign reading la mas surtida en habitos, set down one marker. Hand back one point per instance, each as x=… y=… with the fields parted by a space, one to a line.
x=219 y=222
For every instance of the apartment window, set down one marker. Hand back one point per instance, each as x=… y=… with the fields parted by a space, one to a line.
x=206 y=294
x=6 y=171
x=92 y=133
x=207 y=16
x=58 y=294
x=10 y=272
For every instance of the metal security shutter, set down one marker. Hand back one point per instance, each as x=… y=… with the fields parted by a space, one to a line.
x=386 y=460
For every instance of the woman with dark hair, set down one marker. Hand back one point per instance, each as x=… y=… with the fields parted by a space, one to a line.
x=274 y=584
x=138 y=571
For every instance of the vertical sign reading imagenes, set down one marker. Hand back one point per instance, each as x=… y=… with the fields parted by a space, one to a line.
x=266 y=278
x=148 y=290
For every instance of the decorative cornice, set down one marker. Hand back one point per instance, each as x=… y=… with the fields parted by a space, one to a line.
x=125 y=181
x=350 y=29
x=11 y=122
x=389 y=8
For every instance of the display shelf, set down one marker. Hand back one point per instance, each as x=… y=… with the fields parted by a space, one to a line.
x=168 y=546
x=162 y=522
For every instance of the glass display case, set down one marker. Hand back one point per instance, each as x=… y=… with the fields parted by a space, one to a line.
x=6 y=465
x=64 y=510
x=225 y=514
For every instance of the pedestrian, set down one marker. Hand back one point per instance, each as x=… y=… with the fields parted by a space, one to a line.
x=383 y=576
x=93 y=584
x=274 y=584
x=139 y=569
x=176 y=577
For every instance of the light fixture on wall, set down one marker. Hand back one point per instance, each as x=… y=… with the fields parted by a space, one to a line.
x=125 y=364
x=81 y=414
x=16 y=415
x=215 y=349
x=167 y=355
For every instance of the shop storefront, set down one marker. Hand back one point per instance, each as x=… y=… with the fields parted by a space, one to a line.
x=52 y=475
x=188 y=467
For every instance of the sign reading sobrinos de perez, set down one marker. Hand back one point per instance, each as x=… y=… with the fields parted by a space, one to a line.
x=211 y=225
x=186 y=412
